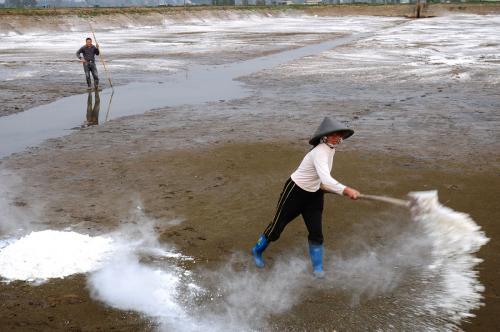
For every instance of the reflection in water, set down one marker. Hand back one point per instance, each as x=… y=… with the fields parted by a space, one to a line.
x=109 y=105
x=93 y=110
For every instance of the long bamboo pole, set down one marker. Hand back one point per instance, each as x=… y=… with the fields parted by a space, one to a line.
x=101 y=57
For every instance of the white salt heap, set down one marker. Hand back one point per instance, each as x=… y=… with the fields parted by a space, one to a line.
x=53 y=254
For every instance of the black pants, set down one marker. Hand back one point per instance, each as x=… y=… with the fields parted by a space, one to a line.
x=89 y=67
x=293 y=202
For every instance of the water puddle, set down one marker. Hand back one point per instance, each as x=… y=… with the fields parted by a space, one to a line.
x=199 y=85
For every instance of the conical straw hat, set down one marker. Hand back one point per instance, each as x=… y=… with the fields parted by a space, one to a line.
x=330 y=126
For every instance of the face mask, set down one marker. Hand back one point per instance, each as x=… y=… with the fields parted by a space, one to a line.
x=330 y=145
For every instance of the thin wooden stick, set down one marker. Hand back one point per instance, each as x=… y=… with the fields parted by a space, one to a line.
x=390 y=200
x=101 y=57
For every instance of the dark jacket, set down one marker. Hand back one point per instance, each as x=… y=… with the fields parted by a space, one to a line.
x=88 y=53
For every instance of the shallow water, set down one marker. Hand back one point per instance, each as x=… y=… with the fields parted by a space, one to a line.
x=199 y=84
x=408 y=68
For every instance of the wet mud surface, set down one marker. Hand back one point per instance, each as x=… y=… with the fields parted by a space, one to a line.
x=224 y=196
x=219 y=167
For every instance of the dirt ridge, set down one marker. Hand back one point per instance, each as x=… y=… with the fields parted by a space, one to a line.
x=26 y=20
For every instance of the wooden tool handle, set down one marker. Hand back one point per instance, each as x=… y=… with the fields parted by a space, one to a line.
x=390 y=200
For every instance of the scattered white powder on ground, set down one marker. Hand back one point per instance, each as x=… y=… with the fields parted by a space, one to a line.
x=169 y=294
x=53 y=254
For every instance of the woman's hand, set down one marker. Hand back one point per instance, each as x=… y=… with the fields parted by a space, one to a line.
x=351 y=193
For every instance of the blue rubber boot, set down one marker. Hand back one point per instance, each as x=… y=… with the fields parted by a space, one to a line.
x=316 y=253
x=257 y=251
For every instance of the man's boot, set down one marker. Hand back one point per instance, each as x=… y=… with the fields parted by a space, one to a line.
x=89 y=84
x=316 y=253
x=96 y=84
x=257 y=251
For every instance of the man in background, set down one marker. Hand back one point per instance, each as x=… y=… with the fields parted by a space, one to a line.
x=87 y=54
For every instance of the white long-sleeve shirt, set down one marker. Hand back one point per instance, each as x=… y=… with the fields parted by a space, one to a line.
x=314 y=171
